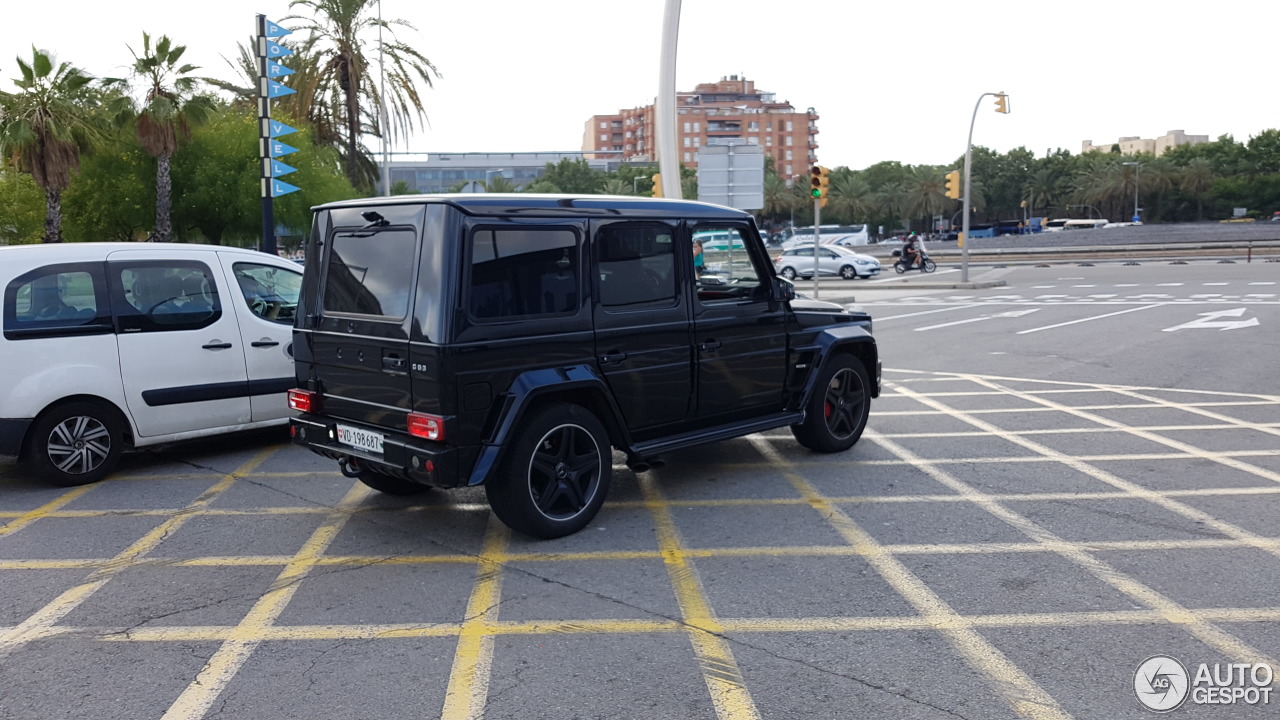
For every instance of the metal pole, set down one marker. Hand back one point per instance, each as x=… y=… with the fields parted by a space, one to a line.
x=382 y=110
x=968 y=161
x=1137 y=175
x=665 y=105
x=817 y=237
x=264 y=118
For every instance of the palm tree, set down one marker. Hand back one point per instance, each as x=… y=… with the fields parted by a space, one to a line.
x=1042 y=191
x=164 y=118
x=926 y=193
x=503 y=184
x=851 y=197
x=342 y=87
x=1196 y=180
x=45 y=126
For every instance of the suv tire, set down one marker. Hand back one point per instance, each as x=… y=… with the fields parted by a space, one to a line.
x=556 y=475
x=75 y=443
x=392 y=485
x=836 y=413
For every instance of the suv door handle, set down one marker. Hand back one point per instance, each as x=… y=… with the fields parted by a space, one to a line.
x=393 y=362
x=216 y=345
x=709 y=345
x=613 y=356
x=264 y=343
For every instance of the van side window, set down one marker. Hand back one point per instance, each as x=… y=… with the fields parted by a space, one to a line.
x=523 y=272
x=57 y=299
x=637 y=265
x=370 y=272
x=270 y=292
x=165 y=295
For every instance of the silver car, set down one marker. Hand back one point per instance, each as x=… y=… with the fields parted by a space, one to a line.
x=832 y=260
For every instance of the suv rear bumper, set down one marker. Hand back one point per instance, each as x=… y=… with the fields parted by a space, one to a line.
x=402 y=456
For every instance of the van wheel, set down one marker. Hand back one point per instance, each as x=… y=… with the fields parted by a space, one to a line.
x=556 y=475
x=76 y=443
x=392 y=485
x=837 y=411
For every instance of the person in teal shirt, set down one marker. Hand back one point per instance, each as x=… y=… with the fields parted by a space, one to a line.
x=699 y=263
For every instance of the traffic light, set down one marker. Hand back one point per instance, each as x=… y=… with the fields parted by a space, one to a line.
x=1002 y=103
x=657 y=185
x=953 y=185
x=820 y=184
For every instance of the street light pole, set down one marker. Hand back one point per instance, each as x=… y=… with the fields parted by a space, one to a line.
x=968 y=162
x=382 y=111
x=1137 y=175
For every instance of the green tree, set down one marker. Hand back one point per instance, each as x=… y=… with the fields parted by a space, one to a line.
x=342 y=83
x=574 y=176
x=1196 y=179
x=45 y=126
x=21 y=208
x=113 y=198
x=500 y=184
x=163 y=119
x=403 y=187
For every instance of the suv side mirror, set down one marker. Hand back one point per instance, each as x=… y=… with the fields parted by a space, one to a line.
x=787 y=288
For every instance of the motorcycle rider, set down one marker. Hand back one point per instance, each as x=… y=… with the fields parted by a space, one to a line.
x=911 y=251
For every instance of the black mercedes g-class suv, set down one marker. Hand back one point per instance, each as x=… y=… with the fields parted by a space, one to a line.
x=513 y=340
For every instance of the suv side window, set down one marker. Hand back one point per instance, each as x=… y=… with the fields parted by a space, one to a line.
x=731 y=272
x=270 y=292
x=57 y=300
x=164 y=295
x=522 y=272
x=637 y=265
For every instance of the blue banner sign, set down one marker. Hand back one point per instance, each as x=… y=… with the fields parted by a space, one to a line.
x=275 y=128
x=279 y=149
x=278 y=168
x=280 y=187
x=278 y=70
x=274 y=30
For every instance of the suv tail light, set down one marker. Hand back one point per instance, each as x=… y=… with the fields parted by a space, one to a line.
x=426 y=426
x=304 y=401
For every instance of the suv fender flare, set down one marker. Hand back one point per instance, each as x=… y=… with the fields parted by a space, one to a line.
x=578 y=384
x=853 y=340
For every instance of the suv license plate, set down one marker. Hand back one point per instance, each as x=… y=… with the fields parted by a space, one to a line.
x=360 y=439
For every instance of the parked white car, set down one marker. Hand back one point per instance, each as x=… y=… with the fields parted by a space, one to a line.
x=832 y=260
x=115 y=345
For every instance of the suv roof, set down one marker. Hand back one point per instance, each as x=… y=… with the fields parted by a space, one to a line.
x=534 y=205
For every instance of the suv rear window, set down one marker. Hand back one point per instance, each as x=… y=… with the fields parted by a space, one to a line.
x=371 y=272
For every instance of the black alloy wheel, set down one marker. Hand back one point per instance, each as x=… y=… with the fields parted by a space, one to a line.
x=556 y=475
x=836 y=413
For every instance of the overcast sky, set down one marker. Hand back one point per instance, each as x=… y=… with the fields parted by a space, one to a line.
x=891 y=80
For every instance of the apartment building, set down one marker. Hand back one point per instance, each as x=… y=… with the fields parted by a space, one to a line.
x=729 y=112
x=1157 y=147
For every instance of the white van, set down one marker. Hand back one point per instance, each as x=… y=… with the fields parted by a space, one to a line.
x=108 y=345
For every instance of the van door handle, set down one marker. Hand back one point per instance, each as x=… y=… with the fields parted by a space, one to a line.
x=613 y=356
x=216 y=345
x=709 y=345
x=264 y=343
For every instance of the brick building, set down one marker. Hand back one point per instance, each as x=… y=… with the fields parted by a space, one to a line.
x=729 y=112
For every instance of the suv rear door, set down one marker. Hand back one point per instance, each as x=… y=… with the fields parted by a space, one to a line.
x=642 y=320
x=359 y=333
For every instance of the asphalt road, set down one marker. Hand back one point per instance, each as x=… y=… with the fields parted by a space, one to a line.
x=1064 y=477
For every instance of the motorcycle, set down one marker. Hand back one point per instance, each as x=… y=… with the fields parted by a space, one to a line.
x=903 y=264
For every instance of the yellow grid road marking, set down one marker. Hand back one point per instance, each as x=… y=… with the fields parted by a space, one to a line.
x=468 y=690
x=1206 y=632
x=720 y=672
x=70 y=599
x=26 y=518
x=244 y=639
x=1018 y=689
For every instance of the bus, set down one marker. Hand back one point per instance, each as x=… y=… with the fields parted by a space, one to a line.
x=831 y=234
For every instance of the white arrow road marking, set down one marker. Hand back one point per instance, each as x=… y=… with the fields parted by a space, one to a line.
x=900 y=278
x=1210 y=320
x=1011 y=313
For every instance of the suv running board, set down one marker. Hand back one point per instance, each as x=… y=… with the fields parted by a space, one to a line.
x=641 y=453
